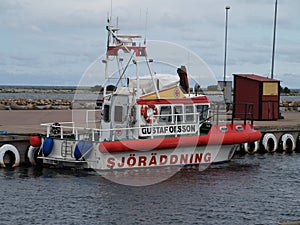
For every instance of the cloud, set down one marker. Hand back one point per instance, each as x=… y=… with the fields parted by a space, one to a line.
x=63 y=36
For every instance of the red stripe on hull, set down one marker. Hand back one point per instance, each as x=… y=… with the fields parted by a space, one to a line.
x=214 y=137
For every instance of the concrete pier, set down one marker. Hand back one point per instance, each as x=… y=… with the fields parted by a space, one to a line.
x=16 y=126
x=291 y=121
x=28 y=121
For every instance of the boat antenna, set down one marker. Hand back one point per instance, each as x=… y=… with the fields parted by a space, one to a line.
x=111 y=9
x=108 y=29
x=146 y=23
x=117 y=24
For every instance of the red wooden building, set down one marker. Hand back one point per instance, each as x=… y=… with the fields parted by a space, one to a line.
x=262 y=92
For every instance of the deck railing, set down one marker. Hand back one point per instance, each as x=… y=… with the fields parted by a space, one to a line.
x=216 y=114
x=221 y=113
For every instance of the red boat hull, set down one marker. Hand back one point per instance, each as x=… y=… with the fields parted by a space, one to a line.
x=214 y=137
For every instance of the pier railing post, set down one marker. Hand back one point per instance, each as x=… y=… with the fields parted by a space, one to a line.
x=245 y=113
x=233 y=113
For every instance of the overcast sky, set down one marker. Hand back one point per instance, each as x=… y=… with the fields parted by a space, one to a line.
x=52 y=42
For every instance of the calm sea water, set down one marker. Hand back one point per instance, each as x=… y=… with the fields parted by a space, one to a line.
x=252 y=189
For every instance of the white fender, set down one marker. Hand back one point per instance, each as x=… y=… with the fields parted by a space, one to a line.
x=268 y=137
x=8 y=147
x=251 y=147
x=30 y=154
x=284 y=139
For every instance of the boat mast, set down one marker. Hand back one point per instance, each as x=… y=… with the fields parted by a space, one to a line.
x=120 y=69
x=108 y=28
x=148 y=61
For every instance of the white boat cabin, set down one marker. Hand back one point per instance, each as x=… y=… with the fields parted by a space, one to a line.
x=169 y=111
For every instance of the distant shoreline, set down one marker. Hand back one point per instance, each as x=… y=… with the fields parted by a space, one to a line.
x=44 y=89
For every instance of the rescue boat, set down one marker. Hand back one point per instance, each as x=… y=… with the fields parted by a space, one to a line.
x=147 y=120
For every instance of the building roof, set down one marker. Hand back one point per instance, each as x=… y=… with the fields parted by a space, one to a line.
x=256 y=77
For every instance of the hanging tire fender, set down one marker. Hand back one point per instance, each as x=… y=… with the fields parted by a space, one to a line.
x=287 y=143
x=6 y=148
x=31 y=154
x=251 y=147
x=269 y=142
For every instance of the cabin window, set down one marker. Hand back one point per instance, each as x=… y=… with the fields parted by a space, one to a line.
x=178 y=113
x=118 y=114
x=203 y=111
x=189 y=111
x=165 y=114
x=106 y=113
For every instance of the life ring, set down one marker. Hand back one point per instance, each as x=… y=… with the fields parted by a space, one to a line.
x=251 y=147
x=143 y=109
x=287 y=143
x=8 y=148
x=31 y=154
x=150 y=113
x=269 y=142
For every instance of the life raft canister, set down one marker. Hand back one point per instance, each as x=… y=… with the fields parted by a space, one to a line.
x=150 y=113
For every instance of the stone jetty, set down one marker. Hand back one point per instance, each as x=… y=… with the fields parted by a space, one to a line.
x=43 y=104
x=34 y=104
x=290 y=105
x=14 y=103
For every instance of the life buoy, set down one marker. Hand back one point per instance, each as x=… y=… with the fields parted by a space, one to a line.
x=251 y=147
x=143 y=109
x=31 y=154
x=287 y=143
x=8 y=148
x=269 y=142
x=150 y=113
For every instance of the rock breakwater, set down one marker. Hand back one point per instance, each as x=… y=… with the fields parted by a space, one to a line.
x=20 y=103
x=33 y=104
x=290 y=105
